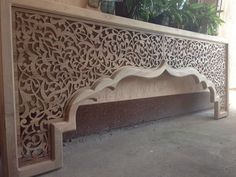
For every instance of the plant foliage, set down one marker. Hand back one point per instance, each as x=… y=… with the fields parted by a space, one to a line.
x=183 y=14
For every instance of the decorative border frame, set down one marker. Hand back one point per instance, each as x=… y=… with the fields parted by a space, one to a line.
x=8 y=120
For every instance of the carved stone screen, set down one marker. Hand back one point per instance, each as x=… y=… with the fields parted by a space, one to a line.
x=55 y=56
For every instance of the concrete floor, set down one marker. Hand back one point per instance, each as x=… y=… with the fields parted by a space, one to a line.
x=186 y=146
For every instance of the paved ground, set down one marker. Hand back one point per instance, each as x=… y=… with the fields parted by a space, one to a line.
x=187 y=146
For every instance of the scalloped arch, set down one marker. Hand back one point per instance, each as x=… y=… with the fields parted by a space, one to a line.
x=111 y=82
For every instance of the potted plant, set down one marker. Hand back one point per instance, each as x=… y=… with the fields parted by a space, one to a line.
x=207 y=18
x=136 y=9
x=183 y=14
x=168 y=12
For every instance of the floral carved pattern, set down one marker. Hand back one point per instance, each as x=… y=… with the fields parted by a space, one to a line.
x=56 y=56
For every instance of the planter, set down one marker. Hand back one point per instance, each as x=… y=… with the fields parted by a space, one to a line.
x=108 y=6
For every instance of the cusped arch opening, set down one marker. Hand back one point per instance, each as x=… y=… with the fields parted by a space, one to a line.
x=123 y=74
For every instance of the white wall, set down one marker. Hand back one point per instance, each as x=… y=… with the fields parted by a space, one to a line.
x=228 y=30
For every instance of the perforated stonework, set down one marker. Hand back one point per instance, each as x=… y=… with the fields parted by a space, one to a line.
x=56 y=56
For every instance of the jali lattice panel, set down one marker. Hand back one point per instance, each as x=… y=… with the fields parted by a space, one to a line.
x=55 y=56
